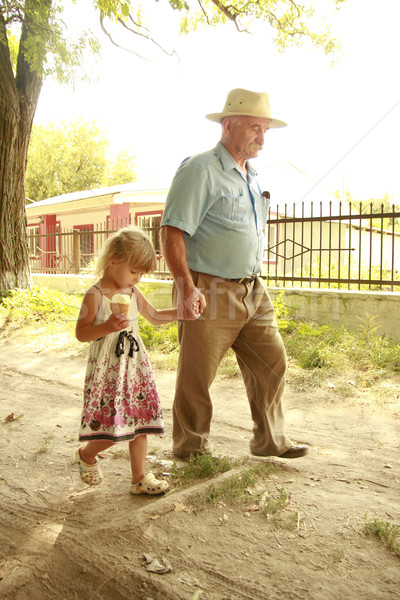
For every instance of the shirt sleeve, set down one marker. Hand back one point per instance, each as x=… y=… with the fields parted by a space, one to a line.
x=189 y=197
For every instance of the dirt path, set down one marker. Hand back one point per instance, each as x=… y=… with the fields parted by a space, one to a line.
x=63 y=541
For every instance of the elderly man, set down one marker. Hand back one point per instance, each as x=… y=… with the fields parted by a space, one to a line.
x=212 y=234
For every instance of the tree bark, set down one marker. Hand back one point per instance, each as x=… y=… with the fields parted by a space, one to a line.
x=18 y=100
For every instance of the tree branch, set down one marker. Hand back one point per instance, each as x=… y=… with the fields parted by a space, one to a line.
x=12 y=12
x=228 y=12
x=146 y=36
x=114 y=42
x=204 y=12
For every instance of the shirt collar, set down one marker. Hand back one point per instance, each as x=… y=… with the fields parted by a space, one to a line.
x=228 y=162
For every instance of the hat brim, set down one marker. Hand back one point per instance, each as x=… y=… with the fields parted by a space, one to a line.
x=217 y=118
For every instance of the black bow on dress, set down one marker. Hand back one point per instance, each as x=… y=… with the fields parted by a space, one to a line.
x=120 y=348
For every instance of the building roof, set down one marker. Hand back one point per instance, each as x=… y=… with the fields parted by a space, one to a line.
x=125 y=188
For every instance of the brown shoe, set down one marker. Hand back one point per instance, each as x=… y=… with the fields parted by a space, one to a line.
x=295 y=452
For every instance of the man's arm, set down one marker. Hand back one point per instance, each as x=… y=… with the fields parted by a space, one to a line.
x=191 y=301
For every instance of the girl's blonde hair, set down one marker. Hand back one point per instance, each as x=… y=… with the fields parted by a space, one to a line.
x=129 y=245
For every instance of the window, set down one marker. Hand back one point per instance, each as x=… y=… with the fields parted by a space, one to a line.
x=85 y=244
x=151 y=223
x=33 y=241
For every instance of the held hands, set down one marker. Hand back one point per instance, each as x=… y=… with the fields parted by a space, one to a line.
x=191 y=305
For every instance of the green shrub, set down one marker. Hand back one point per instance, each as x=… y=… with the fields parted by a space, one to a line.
x=39 y=305
x=313 y=346
x=162 y=337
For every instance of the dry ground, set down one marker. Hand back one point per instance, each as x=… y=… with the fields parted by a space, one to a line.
x=61 y=540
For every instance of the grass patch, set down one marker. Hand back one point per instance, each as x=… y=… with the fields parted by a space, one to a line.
x=234 y=488
x=313 y=347
x=274 y=505
x=202 y=466
x=42 y=318
x=38 y=305
x=249 y=482
x=388 y=533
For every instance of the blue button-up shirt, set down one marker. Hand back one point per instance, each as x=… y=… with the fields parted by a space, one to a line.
x=222 y=214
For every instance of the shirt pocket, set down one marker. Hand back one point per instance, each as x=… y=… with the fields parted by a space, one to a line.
x=235 y=209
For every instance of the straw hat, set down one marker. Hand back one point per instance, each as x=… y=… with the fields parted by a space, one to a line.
x=244 y=102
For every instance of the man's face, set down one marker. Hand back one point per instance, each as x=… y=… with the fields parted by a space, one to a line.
x=246 y=135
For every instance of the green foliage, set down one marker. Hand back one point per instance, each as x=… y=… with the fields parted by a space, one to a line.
x=282 y=310
x=388 y=533
x=162 y=337
x=45 y=43
x=50 y=47
x=201 y=466
x=233 y=488
x=70 y=157
x=325 y=271
x=24 y=307
x=119 y=170
x=274 y=505
x=374 y=206
x=333 y=349
x=113 y=9
x=309 y=346
x=292 y=23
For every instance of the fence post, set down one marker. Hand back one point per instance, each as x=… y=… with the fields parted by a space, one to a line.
x=76 y=251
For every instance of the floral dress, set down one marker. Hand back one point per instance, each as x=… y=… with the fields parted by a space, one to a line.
x=120 y=394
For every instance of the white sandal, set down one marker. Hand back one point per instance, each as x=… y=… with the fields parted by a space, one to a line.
x=149 y=485
x=90 y=474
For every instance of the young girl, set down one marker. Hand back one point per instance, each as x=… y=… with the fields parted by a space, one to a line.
x=121 y=402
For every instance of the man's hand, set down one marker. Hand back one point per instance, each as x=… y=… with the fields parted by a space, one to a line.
x=191 y=304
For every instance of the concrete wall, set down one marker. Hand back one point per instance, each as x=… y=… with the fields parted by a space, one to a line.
x=352 y=309
x=326 y=307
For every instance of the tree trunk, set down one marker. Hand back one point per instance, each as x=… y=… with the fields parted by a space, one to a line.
x=18 y=100
x=14 y=134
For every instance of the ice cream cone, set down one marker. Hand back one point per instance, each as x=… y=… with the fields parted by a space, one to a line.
x=120 y=304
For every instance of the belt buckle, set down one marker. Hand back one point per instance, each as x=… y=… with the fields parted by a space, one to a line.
x=248 y=279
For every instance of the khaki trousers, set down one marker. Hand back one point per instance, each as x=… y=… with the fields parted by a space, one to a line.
x=240 y=316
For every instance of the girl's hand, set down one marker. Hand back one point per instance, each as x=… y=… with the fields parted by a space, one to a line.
x=117 y=322
x=190 y=304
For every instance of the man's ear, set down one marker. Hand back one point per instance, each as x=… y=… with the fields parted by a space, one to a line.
x=226 y=125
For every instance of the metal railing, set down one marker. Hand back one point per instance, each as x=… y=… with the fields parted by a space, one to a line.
x=74 y=251
x=340 y=249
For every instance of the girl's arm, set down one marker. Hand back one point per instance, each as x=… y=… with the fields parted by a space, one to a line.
x=152 y=314
x=85 y=331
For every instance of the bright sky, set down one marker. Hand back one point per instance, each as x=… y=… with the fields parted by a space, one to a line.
x=343 y=120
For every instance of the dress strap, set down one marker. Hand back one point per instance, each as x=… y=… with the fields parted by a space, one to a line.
x=97 y=288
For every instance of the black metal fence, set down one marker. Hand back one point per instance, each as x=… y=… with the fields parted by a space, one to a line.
x=336 y=248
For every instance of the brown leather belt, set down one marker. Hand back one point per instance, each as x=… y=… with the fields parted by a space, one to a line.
x=249 y=279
